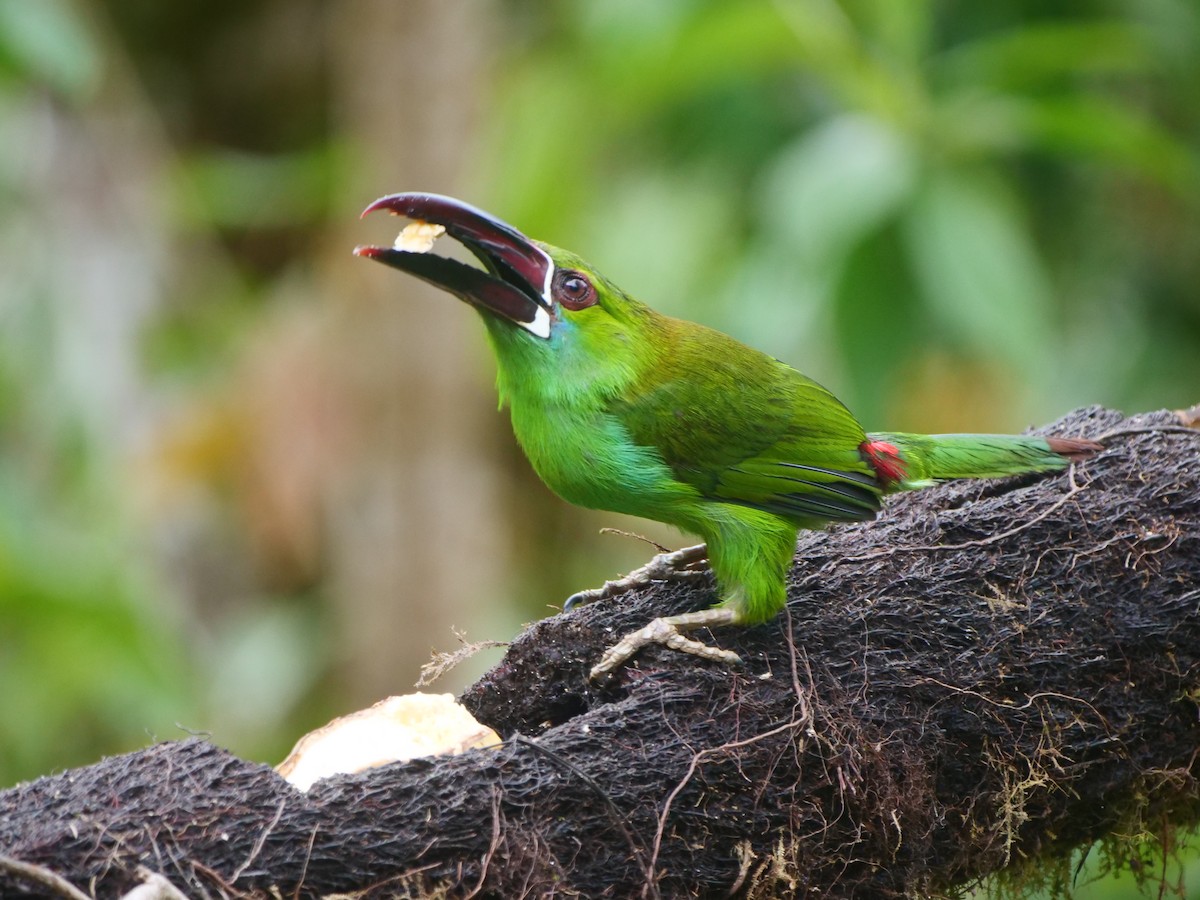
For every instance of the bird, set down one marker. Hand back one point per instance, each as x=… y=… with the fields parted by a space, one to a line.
x=620 y=408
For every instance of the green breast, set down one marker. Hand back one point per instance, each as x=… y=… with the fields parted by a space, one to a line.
x=589 y=459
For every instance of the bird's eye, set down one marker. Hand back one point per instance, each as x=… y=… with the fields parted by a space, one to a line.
x=573 y=289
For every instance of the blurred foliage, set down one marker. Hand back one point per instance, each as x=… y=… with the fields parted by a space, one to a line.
x=1132 y=868
x=46 y=44
x=86 y=663
x=957 y=216
x=882 y=193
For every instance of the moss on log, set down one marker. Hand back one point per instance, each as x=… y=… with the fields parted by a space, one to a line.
x=992 y=672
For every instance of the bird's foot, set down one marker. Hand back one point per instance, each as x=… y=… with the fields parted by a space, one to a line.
x=678 y=565
x=669 y=631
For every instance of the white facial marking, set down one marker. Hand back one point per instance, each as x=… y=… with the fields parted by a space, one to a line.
x=540 y=324
x=549 y=278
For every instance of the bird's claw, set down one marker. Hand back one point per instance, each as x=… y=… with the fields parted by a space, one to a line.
x=669 y=631
x=678 y=565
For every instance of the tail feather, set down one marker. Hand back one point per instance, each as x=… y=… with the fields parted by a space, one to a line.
x=1074 y=449
x=909 y=461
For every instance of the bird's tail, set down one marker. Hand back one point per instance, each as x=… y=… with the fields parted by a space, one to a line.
x=909 y=461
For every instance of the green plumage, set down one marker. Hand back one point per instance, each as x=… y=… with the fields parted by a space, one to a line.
x=938 y=457
x=620 y=408
x=627 y=410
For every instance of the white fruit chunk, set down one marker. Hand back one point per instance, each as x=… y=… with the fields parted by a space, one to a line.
x=418 y=237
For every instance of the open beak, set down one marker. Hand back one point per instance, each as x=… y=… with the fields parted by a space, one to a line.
x=516 y=283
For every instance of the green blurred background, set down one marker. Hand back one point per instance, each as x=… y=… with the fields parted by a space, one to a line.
x=249 y=481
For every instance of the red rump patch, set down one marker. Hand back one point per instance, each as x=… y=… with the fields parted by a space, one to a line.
x=885 y=460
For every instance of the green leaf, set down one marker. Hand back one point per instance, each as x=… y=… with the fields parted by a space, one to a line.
x=978 y=269
x=876 y=322
x=1036 y=54
x=834 y=185
x=46 y=41
x=1102 y=130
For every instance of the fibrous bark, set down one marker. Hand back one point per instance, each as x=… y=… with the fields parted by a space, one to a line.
x=991 y=672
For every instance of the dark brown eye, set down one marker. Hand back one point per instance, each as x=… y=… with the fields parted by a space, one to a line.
x=573 y=289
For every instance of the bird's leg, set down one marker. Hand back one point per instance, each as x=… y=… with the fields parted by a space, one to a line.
x=669 y=631
x=678 y=565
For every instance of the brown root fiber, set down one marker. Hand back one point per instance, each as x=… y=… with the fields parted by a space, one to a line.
x=991 y=673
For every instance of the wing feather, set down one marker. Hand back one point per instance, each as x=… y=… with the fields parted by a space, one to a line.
x=744 y=428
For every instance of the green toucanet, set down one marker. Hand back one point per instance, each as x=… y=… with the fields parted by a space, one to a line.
x=623 y=409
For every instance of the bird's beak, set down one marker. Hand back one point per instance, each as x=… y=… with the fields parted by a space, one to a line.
x=516 y=283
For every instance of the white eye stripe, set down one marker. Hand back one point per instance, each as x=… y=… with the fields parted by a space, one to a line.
x=550 y=269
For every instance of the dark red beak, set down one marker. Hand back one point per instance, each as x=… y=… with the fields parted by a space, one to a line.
x=517 y=277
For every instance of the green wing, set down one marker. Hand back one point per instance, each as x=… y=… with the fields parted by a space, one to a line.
x=744 y=428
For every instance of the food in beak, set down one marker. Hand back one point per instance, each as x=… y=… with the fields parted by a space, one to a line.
x=418 y=237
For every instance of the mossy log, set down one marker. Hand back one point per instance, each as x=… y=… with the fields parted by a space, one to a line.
x=991 y=673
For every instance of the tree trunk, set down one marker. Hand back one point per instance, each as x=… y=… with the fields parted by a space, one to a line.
x=421 y=415
x=993 y=672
